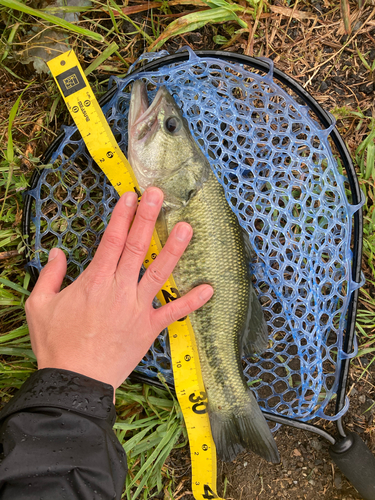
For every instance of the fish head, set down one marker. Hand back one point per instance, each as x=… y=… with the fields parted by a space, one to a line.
x=162 y=151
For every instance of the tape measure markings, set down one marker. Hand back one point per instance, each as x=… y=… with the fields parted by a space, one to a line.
x=101 y=144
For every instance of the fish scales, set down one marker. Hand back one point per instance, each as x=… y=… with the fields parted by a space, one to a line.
x=163 y=153
x=216 y=255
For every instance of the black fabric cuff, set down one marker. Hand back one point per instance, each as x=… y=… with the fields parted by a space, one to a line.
x=53 y=387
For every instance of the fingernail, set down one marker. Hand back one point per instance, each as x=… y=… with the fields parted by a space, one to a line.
x=130 y=199
x=183 y=232
x=52 y=254
x=206 y=293
x=153 y=196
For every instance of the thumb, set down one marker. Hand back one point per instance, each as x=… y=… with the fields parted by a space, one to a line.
x=52 y=275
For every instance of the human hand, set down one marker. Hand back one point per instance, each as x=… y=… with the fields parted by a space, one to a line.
x=103 y=323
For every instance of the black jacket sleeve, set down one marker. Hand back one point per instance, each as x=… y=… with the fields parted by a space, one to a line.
x=57 y=442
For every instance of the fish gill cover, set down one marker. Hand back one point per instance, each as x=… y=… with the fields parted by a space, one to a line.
x=282 y=181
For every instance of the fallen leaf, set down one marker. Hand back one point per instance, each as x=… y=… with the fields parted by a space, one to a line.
x=297 y=14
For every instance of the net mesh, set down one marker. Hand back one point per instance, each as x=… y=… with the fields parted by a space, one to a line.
x=281 y=180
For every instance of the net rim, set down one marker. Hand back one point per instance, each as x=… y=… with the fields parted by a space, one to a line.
x=325 y=120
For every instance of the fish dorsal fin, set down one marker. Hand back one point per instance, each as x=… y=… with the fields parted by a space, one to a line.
x=161 y=227
x=254 y=334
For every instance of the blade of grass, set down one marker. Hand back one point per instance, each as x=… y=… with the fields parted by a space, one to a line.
x=14 y=286
x=345 y=13
x=197 y=20
x=113 y=47
x=364 y=62
x=18 y=333
x=65 y=8
x=135 y=425
x=16 y=351
x=10 y=40
x=137 y=438
x=110 y=12
x=9 y=153
x=370 y=160
x=164 y=441
x=8 y=302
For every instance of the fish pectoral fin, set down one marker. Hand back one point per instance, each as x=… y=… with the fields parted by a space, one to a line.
x=254 y=335
x=161 y=227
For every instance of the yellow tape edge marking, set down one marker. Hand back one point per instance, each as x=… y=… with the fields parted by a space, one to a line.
x=101 y=144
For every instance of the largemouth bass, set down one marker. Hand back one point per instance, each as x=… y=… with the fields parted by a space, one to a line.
x=163 y=153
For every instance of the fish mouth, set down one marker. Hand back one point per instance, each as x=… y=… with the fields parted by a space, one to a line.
x=140 y=110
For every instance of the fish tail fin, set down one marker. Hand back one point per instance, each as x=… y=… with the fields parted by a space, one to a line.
x=245 y=430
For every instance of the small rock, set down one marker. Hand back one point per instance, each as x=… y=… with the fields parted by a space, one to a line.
x=296 y=453
x=317 y=5
x=338 y=481
x=366 y=88
x=245 y=464
x=195 y=37
x=312 y=482
x=323 y=86
x=318 y=462
x=316 y=444
x=362 y=397
x=368 y=408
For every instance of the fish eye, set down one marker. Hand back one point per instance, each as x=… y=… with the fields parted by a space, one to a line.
x=172 y=124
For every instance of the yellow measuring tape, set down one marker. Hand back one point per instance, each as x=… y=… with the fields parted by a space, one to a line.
x=102 y=145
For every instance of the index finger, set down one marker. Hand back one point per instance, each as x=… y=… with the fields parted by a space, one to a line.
x=114 y=238
x=140 y=235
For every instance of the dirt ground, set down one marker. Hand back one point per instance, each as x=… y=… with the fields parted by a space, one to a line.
x=306 y=471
